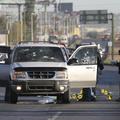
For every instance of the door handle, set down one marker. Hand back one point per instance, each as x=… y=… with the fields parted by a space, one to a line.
x=90 y=67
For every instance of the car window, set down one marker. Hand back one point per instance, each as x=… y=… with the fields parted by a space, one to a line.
x=3 y=56
x=87 y=55
x=4 y=53
x=41 y=54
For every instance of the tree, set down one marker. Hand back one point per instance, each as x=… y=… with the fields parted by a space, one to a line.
x=3 y=23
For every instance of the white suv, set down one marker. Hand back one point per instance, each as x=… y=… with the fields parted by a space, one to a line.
x=38 y=68
x=44 y=69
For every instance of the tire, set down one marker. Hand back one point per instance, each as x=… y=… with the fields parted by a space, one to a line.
x=63 y=98
x=6 y=94
x=10 y=96
x=89 y=94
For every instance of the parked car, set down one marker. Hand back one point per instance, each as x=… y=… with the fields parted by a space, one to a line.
x=4 y=68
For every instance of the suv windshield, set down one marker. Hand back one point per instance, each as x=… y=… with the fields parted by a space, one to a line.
x=41 y=54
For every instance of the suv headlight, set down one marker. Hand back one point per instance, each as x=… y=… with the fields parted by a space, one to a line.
x=61 y=75
x=17 y=75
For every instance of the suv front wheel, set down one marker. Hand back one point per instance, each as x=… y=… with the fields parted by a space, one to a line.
x=10 y=96
x=63 y=98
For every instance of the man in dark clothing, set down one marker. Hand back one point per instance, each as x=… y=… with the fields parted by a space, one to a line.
x=118 y=64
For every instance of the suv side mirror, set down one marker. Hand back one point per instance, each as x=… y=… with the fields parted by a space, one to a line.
x=72 y=61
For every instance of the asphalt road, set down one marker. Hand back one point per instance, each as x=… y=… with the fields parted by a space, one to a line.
x=33 y=108
x=73 y=111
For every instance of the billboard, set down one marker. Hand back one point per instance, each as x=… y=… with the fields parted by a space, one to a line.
x=64 y=7
x=94 y=16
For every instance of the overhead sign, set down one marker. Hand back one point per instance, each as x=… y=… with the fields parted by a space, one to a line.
x=64 y=7
x=93 y=16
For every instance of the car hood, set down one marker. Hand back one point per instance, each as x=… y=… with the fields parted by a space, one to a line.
x=39 y=64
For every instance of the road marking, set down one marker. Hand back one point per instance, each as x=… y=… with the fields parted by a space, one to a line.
x=55 y=116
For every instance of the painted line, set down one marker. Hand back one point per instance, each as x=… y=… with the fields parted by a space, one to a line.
x=55 y=116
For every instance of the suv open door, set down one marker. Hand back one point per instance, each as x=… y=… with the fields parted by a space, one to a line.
x=82 y=67
x=4 y=67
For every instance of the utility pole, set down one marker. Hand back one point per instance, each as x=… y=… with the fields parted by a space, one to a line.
x=32 y=34
x=112 y=34
x=19 y=10
x=112 y=20
x=45 y=21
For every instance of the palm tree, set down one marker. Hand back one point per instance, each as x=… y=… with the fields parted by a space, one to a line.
x=29 y=8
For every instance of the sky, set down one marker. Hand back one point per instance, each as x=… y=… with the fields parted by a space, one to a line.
x=110 y=5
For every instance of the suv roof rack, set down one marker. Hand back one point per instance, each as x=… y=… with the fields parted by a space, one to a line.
x=23 y=42
x=51 y=42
